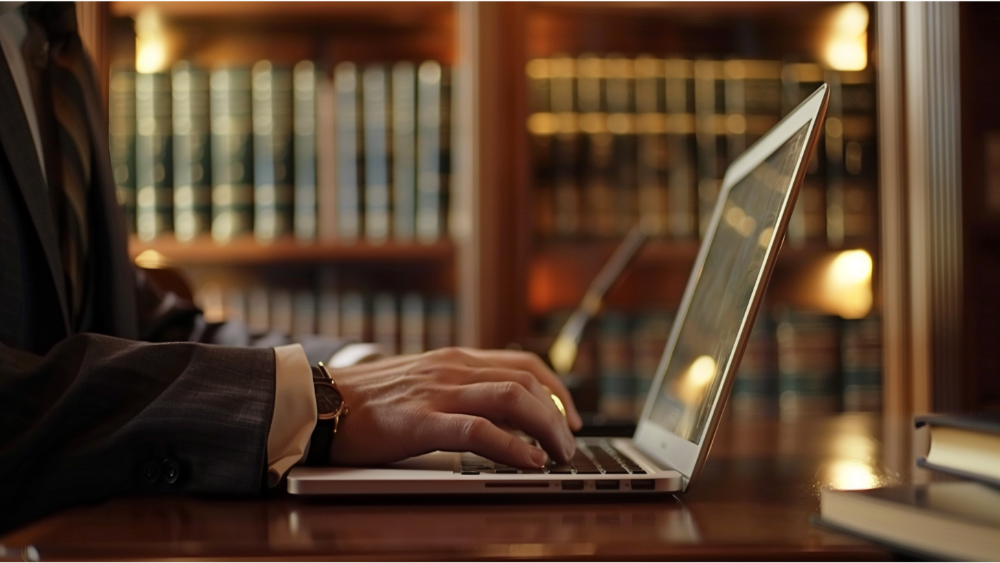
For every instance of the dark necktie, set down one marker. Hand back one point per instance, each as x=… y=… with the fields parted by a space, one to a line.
x=59 y=77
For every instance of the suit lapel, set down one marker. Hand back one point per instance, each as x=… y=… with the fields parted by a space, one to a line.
x=15 y=136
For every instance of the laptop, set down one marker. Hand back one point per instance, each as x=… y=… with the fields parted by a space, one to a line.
x=697 y=369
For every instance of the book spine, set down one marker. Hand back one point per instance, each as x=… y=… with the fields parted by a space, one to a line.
x=354 y=318
x=258 y=310
x=232 y=153
x=541 y=127
x=652 y=145
x=565 y=149
x=386 y=322
x=121 y=140
x=620 y=85
x=808 y=365
x=153 y=158
x=430 y=109
x=861 y=346
x=192 y=152
x=441 y=323
x=859 y=161
x=755 y=390
x=305 y=121
x=596 y=149
x=616 y=381
x=348 y=172
x=272 y=151
x=328 y=322
x=682 y=190
x=413 y=324
x=404 y=155
x=282 y=312
x=326 y=159
x=304 y=313
x=753 y=93
x=710 y=136
x=376 y=153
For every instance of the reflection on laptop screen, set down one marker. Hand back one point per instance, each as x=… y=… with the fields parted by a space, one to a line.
x=707 y=337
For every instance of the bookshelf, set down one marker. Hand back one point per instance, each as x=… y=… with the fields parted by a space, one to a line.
x=508 y=279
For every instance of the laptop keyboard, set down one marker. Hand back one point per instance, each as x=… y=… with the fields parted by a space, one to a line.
x=590 y=459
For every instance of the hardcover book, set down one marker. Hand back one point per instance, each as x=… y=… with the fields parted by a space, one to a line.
x=375 y=102
x=967 y=445
x=192 y=152
x=348 y=222
x=404 y=151
x=232 y=153
x=304 y=150
x=958 y=521
x=153 y=156
x=272 y=151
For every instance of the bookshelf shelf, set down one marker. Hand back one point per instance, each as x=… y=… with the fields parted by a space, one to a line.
x=385 y=14
x=248 y=252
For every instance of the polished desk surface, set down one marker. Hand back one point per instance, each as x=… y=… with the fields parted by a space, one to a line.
x=752 y=501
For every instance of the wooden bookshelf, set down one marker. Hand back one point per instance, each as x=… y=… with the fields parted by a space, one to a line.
x=249 y=252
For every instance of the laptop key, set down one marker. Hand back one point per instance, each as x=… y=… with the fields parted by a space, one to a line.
x=560 y=469
x=506 y=470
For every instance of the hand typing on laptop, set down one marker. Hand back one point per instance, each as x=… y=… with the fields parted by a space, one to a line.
x=455 y=399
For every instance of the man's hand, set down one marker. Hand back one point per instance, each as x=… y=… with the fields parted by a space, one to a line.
x=454 y=399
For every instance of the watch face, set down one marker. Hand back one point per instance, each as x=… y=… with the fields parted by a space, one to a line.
x=328 y=400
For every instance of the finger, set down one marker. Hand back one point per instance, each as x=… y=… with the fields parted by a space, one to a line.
x=509 y=404
x=466 y=433
x=533 y=364
x=524 y=378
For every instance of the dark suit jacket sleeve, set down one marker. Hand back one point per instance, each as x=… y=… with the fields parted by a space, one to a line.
x=100 y=416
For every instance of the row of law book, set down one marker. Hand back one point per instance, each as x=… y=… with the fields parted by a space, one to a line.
x=956 y=516
x=274 y=151
x=796 y=363
x=617 y=140
x=401 y=323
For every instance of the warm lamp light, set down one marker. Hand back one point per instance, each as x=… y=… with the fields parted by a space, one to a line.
x=848 y=284
x=847 y=45
x=150 y=42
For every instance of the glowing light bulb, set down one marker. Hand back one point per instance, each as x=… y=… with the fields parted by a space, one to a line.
x=848 y=284
x=151 y=50
x=847 y=44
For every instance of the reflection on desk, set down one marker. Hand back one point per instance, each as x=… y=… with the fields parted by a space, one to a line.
x=753 y=500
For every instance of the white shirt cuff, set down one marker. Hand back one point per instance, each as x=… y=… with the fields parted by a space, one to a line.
x=294 y=416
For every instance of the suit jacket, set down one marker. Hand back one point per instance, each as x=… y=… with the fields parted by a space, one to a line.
x=89 y=411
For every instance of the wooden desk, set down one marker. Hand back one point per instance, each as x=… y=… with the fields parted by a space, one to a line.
x=753 y=501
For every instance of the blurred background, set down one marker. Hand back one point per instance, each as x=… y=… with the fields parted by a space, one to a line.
x=429 y=174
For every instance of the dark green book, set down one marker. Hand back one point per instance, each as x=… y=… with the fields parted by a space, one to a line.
x=192 y=152
x=682 y=176
x=441 y=323
x=432 y=140
x=345 y=77
x=121 y=139
x=404 y=151
x=232 y=153
x=153 y=156
x=375 y=102
x=653 y=166
x=753 y=103
x=620 y=92
x=272 y=150
x=304 y=147
x=861 y=364
x=385 y=322
x=709 y=101
x=565 y=149
x=413 y=324
x=596 y=151
x=616 y=380
x=808 y=364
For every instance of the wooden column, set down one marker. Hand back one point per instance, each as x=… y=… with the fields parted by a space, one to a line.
x=933 y=154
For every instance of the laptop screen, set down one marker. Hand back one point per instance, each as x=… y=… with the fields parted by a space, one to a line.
x=710 y=328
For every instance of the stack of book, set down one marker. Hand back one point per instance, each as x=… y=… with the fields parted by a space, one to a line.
x=950 y=520
x=796 y=363
x=274 y=151
x=617 y=140
x=407 y=323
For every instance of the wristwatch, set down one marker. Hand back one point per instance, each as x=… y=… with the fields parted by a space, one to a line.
x=330 y=407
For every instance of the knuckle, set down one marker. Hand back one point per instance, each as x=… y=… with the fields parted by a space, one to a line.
x=510 y=391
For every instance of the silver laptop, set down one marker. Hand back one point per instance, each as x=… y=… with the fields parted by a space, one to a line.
x=696 y=371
